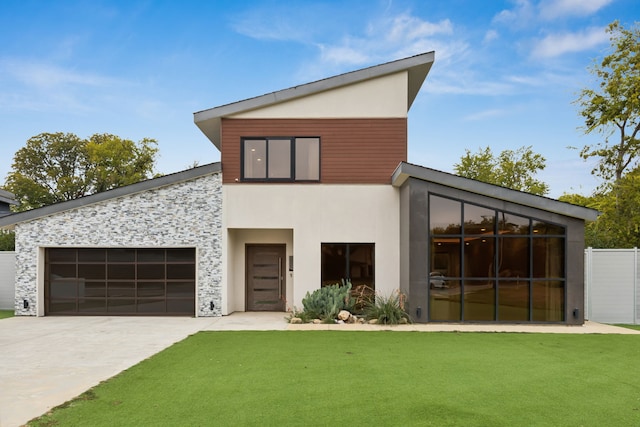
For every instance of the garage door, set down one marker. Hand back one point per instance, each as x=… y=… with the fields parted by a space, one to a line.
x=139 y=282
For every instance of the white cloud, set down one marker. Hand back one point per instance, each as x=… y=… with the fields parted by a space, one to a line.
x=553 y=9
x=555 y=45
x=490 y=36
x=521 y=15
x=45 y=76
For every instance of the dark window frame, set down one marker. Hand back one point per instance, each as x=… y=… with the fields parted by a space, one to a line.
x=292 y=158
x=532 y=236
x=347 y=264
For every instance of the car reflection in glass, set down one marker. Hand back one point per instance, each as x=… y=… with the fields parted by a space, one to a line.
x=437 y=281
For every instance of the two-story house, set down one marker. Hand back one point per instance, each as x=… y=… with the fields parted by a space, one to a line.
x=313 y=187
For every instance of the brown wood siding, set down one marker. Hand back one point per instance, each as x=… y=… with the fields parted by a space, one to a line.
x=358 y=151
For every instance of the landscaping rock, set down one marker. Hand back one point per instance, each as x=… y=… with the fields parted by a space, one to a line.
x=344 y=315
x=353 y=319
x=403 y=321
x=373 y=321
x=316 y=321
x=295 y=320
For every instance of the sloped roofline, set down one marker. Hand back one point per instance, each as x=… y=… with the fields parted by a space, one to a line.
x=7 y=197
x=404 y=171
x=418 y=67
x=127 y=190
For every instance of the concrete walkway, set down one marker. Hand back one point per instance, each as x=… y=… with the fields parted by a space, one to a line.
x=46 y=361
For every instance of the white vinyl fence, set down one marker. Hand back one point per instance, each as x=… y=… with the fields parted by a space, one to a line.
x=7 y=280
x=612 y=285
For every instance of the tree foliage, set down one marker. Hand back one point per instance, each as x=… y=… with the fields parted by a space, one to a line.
x=55 y=167
x=511 y=169
x=618 y=225
x=613 y=109
x=7 y=240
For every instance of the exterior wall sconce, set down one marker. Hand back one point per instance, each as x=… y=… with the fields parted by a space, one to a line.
x=211 y=306
x=25 y=304
x=576 y=313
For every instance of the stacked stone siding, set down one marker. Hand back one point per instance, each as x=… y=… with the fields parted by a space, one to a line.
x=184 y=214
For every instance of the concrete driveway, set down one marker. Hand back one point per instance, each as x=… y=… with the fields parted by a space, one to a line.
x=46 y=361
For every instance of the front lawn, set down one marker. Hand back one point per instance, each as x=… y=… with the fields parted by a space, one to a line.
x=322 y=378
x=6 y=313
x=636 y=327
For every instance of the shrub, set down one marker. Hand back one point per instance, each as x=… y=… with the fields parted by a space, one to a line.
x=388 y=310
x=325 y=303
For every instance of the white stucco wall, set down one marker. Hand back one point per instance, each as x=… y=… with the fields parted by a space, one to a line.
x=185 y=214
x=303 y=217
x=382 y=97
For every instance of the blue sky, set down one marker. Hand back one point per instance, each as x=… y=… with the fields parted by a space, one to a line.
x=505 y=74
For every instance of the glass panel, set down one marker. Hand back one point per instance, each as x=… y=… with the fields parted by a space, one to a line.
x=478 y=220
x=279 y=158
x=479 y=255
x=121 y=305
x=61 y=255
x=62 y=306
x=121 y=271
x=121 y=255
x=151 y=271
x=181 y=271
x=57 y=271
x=181 y=306
x=548 y=257
x=479 y=300
x=91 y=271
x=92 y=289
x=444 y=215
x=513 y=300
x=181 y=289
x=150 y=289
x=92 y=305
x=548 y=301
x=308 y=159
x=361 y=256
x=540 y=228
x=334 y=263
x=513 y=257
x=255 y=155
x=150 y=255
x=121 y=289
x=444 y=303
x=512 y=224
x=63 y=288
x=181 y=255
x=151 y=306
x=445 y=253
x=91 y=255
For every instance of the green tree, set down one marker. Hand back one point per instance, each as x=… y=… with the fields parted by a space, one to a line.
x=618 y=225
x=7 y=240
x=613 y=109
x=55 y=167
x=511 y=169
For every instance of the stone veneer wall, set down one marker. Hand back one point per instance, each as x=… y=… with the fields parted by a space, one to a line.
x=185 y=214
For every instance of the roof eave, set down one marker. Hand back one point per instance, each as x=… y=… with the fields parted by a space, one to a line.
x=417 y=66
x=10 y=220
x=404 y=171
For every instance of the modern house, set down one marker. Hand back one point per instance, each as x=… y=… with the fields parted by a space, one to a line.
x=313 y=187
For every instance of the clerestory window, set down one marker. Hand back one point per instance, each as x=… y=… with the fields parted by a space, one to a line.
x=281 y=159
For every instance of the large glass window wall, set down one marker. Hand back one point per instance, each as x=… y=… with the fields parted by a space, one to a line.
x=490 y=265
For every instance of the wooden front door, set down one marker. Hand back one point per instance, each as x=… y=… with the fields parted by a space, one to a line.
x=265 y=277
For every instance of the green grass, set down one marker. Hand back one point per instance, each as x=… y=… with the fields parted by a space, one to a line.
x=6 y=313
x=323 y=378
x=636 y=327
